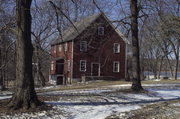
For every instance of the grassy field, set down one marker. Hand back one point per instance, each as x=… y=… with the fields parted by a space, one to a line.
x=100 y=83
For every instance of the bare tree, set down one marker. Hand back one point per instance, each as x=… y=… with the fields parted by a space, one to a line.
x=172 y=33
x=25 y=96
x=42 y=30
x=6 y=43
x=162 y=28
x=136 y=81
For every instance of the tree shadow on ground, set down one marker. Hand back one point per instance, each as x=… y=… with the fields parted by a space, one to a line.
x=108 y=103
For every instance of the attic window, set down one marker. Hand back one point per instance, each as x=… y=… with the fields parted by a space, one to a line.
x=83 y=46
x=100 y=30
x=116 y=48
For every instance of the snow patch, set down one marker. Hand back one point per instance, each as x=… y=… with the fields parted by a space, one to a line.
x=141 y=97
x=154 y=85
x=96 y=112
x=121 y=85
x=167 y=93
x=88 y=106
x=176 y=104
x=4 y=97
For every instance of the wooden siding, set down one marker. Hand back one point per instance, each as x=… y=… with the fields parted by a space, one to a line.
x=66 y=55
x=100 y=50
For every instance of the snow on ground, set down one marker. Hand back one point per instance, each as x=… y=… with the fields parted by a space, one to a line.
x=166 y=85
x=5 y=95
x=48 y=87
x=104 y=101
x=129 y=85
x=96 y=112
x=121 y=85
x=177 y=104
x=167 y=93
x=108 y=103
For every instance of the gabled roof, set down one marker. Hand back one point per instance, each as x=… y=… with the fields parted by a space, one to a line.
x=73 y=31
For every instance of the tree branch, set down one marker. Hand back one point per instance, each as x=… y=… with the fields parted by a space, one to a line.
x=57 y=8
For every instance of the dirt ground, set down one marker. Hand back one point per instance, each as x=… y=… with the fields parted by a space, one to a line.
x=162 y=110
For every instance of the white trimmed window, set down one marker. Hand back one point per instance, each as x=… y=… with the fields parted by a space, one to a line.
x=83 y=65
x=100 y=30
x=66 y=47
x=68 y=65
x=54 y=49
x=52 y=65
x=116 y=48
x=83 y=46
x=59 y=48
x=116 y=66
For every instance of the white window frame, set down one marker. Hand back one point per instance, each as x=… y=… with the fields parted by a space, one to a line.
x=118 y=47
x=59 y=48
x=65 y=46
x=68 y=65
x=52 y=66
x=54 y=49
x=101 y=30
x=114 y=66
x=81 y=46
x=80 y=66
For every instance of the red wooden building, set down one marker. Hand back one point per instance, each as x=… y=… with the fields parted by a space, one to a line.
x=92 y=47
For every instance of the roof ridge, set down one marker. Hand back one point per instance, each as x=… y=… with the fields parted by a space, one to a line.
x=71 y=32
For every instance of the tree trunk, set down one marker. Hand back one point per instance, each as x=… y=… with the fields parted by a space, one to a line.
x=176 y=66
x=40 y=76
x=136 y=81
x=2 y=66
x=177 y=60
x=155 y=73
x=25 y=96
x=1 y=80
x=160 y=67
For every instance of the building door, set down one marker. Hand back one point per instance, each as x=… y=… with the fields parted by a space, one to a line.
x=60 y=66
x=95 y=69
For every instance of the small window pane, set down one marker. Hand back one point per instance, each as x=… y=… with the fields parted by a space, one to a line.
x=52 y=65
x=59 y=48
x=82 y=65
x=100 y=30
x=115 y=66
x=54 y=49
x=116 y=48
x=65 y=47
x=83 y=46
x=68 y=65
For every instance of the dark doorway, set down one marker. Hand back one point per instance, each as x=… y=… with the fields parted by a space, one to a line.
x=95 y=69
x=59 y=80
x=60 y=66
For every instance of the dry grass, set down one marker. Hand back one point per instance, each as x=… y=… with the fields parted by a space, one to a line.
x=97 y=84
x=162 y=110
